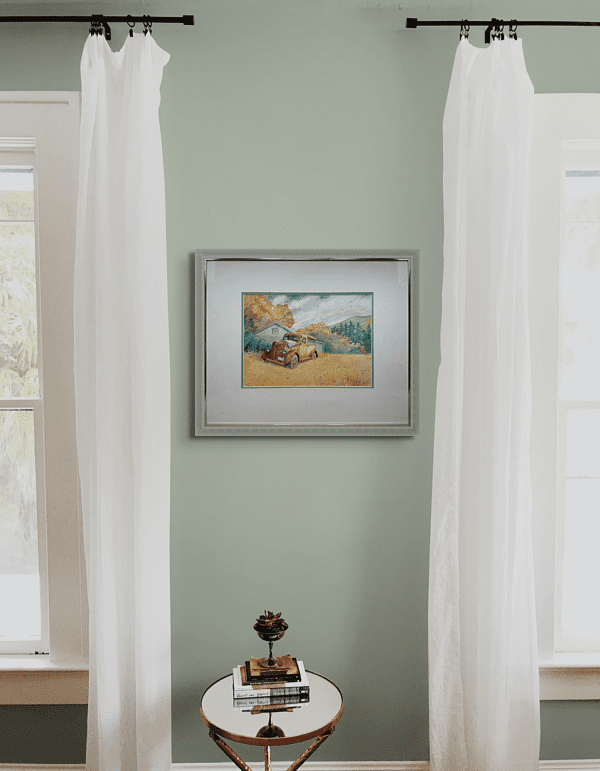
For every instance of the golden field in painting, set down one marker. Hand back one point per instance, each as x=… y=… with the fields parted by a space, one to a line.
x=329 y=369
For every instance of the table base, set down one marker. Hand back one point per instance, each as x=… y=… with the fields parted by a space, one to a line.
x=232 y=754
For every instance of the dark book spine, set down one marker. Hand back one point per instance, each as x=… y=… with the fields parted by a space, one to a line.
x=282 y=678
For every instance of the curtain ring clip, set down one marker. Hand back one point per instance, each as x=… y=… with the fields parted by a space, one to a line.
x=512 y=30
x=464 y=29
x=130 y=25
x=147 y=25
x=497 y=29
x=490 y=32
x=100 y=26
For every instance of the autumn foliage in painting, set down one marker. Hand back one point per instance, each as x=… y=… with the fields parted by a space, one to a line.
x=258 y=312
x=334 y=342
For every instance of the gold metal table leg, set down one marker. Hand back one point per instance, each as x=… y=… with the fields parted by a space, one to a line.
x=229 y=752
x=295 y=765
x=309 y=750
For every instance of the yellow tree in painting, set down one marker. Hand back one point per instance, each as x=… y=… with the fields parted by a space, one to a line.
x=258 y=312
x=333 y=342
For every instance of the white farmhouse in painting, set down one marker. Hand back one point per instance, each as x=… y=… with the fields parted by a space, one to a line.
x=273 y=331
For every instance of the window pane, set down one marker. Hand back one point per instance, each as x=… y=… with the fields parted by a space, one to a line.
x=582 y=196
x=16 y=193
x=20 y=617
x=583 y=443
x=18 y=311
x=581 y=566
x=580 y=321
x=579 y=613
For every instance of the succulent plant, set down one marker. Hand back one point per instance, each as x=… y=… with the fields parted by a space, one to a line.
x=270 y=627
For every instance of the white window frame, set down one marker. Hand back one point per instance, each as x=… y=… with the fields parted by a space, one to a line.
x=558 y=118
x=47 y=123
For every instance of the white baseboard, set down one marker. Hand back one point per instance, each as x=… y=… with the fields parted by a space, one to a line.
x=42 y=767
x=396 y=765
x=392 y=765
x=570 y=765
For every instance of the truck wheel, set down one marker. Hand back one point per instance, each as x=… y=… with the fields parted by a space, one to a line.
x=313 y=355
x=294 y=362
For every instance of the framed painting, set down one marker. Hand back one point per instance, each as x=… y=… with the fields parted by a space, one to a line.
x=298 y=343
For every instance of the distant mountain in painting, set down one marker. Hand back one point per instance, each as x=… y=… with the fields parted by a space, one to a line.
x=361 y=321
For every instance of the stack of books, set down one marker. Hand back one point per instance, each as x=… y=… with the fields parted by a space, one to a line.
x=288 y=686
x=268 y=704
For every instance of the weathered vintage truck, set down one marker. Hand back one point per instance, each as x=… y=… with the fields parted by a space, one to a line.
x=291 y=350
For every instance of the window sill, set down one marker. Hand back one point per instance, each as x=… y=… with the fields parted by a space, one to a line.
x=570 y=676
x=37 y=680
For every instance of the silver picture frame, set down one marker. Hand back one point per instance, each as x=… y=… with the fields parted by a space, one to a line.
x=385 y=406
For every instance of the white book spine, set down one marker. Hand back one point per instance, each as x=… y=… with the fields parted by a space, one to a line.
x=271 y=693
x=245 y=705
x=303 y=677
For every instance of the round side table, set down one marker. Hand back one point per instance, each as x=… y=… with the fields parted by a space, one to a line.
x=314 y=719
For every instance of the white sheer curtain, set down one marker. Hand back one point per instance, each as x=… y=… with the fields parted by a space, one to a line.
x=484 y=701
x=123 y=404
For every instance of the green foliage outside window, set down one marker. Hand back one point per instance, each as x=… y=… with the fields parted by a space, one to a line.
x=18 y=379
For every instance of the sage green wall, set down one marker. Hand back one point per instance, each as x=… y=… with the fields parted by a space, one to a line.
x=305 y=125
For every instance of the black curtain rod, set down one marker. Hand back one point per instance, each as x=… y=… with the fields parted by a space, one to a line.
x=99 y=20
x=187 y=20
x=497 y=24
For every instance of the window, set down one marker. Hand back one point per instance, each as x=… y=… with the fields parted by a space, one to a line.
x=23 y=574
x=43 y=605
x=565 y=346
x=577 y=619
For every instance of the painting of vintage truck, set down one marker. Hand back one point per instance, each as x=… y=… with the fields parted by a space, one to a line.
x=294 y=340
x=291 y=350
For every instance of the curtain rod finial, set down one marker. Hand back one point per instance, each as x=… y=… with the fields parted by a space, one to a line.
x=411 y=23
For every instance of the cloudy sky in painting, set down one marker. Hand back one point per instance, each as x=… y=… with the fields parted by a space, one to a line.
x=332 y=309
